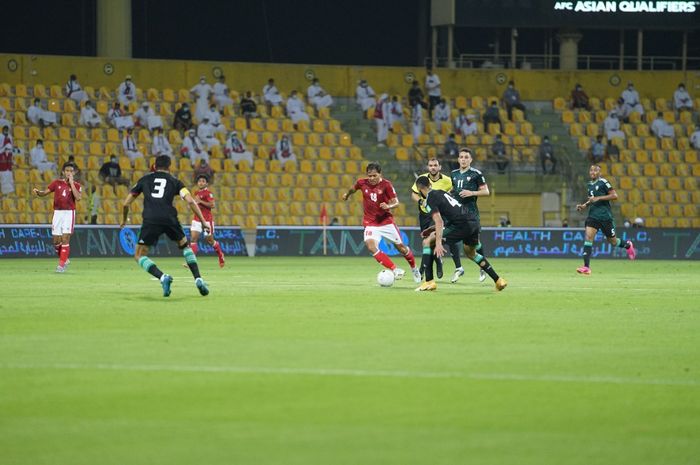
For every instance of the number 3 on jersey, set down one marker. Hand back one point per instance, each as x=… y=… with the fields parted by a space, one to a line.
x=159 y=188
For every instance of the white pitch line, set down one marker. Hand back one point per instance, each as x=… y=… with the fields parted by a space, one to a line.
x=358 y=373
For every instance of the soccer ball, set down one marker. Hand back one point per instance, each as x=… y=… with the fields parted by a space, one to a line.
x=385 y=278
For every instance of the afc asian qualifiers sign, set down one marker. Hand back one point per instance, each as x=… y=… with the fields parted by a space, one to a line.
x=628 y=6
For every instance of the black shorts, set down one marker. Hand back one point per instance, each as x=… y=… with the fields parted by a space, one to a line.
x=608 y=227
x=466 y=232
x=425 y=220
x=150 y=233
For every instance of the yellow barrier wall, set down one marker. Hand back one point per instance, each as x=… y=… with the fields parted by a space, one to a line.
x=338 y=80
x=522 y=209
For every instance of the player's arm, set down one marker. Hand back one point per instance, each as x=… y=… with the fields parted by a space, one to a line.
x=393 y=203
x=204 y=202
x=439 y=226
x=185 y=194
x=41 y=193
x=130 y=197
x=346 y=195
x=76 y=192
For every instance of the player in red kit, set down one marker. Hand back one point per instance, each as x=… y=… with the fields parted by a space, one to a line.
x=205 y=200
x=379 y=198
x=65 y=193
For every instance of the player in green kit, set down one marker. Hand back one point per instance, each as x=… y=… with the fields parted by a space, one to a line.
x=600 y=217
x=467 y=184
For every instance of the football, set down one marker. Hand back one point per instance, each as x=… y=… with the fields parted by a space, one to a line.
x=385 y=278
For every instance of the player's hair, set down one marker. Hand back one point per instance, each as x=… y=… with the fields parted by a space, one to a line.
x=434 y=159
x=162 y=162
x=69 y=164
x=466 y=149
x=206 y=178
x=374 y=166
x=596 y=165
x=423 y=181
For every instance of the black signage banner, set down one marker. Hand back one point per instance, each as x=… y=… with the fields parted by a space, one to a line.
x=660 y=244
x=23 y=241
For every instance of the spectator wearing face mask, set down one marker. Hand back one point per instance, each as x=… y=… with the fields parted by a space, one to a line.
x=511 y=99
x=682 y=101
x=126 y=92
x=183 y=118
x=579 y=98
x=111 y=173
x=201 y=91
x=39 y=160
x=547 y=155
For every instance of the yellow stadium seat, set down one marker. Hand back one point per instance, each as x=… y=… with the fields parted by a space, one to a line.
x=627 y=210
x=653 y=222
x=690 y=184
x=668 y=222
x=650 y=170
x=559 y=103
x=674 y=184
x=650 y=143
x=683 y=223
x=690 y=210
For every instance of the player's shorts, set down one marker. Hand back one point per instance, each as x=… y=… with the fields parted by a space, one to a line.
x=150 y=233
x=425 y=220
x=197 y=226
x=63 y=222
x=466 y=232
x=607 y=227
x=388 y=231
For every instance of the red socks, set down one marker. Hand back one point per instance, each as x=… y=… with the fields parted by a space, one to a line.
x=65 y=253
x=194 y=247
x=57 y=248
x=217 y=248
x=382 y=258
x=410 y=259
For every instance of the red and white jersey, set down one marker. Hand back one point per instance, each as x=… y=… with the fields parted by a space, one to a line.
x=63 y=198
x=372 y=197
x=207 y=196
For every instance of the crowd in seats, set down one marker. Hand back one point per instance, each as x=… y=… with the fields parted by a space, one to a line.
x=651 y=158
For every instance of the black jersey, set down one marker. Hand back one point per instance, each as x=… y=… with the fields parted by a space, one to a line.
x=450 y=209
x=159 y=189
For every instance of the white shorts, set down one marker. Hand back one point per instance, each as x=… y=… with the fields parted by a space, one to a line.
x=197 y=227
x=63 y=222
x=389 y=232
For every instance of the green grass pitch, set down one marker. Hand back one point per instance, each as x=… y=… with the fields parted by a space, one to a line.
x=309 y=361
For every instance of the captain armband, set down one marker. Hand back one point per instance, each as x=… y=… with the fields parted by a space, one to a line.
x=184 y=192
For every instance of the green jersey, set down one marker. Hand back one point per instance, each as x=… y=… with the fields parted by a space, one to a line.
x=471 y=180
x=601 y=209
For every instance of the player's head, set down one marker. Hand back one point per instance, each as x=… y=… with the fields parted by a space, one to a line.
x=374 y=172
x=162 y=163
x=594 y=171
x=202 y=181
x=423 y=184
x=68 y=169
x=464 y=158
x=433 y=166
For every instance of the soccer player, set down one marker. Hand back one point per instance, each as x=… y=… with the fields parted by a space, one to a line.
x=160 y=217
x=205 y=200
x=467 y=184
x=443 y=183
x=66 y=191
x=460 y=224
x=379 y=198
x=600 y=217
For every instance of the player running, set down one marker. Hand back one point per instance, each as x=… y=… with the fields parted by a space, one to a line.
x=66 y=191
x=468 y=184
x=160 y=217
x=460 y=224
x=600 y=217
x=205 y=199
x=379 y=198
x=443 y=183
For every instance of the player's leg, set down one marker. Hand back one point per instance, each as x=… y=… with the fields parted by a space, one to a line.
x=392 y=234
x=459 y=269
x=471 y=241
x=372 y=239
x=57 y=236
x=175 y=233
x=609 y=231
x=215 y=244
x=428 y=258
x=64 y=256
x=480 y=251
x=591 y=231
x=147 y=237
x=195 y=231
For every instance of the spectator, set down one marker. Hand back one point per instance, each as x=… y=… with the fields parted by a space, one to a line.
x=39 y=160
x=695 y=138
x=222 y=94
x=205 y=132
x=630 y=101
x=417 y=122
x=271 y=95
x=334 y=221
x=89 y=116
x=143 y=117
x=451 y=149
x=317 y=96
x=94 y=205
x=395 y=112
x=467 y=124
x=40 y=117
x=183 y=118
x=565 y=223
x=660 y=128
x=161 y=145
x=235 y=149
x=498 y=150
x=638 y=223
x=283 y=151
x=192 y=148
x=415 y=95
x=622 y=110
x=126 y=92
x=215 y=119
x=204 y=169
x=511 y=99
x=111 y=173
x=461 y=122
x=74 y=90
x=118 y=118
x=441 y=114
x=611 y=125
x=492 y=115
x=681 y=99
x=7 y=180
x=432 y=86
x=3 y=118
x=365 y=96
x=597 y=152
x=382 y=118
x=579 y=98
x=201 y=91
x=612 y=150
x=249 y=108
x=131 y=150
x=504 y=222
x=295 y=109
x=547 y=155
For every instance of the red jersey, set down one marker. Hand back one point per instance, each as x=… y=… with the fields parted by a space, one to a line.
x=372 y=197
x=5 y=161
x=206 y=195
x=63 y=198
